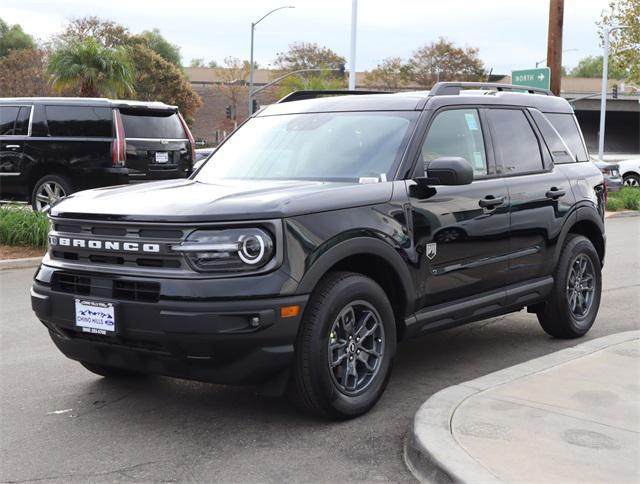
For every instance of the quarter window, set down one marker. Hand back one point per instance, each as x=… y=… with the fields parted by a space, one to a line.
x=22 y=121
x=79 y=121
x=515 y=144
x=455 y=132
x=567 y=126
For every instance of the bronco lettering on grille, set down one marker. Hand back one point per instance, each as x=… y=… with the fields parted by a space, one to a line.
x=109 y=245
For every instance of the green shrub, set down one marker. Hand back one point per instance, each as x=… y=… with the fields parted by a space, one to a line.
x=614 y=204
x=23 y=226
x=630 y=197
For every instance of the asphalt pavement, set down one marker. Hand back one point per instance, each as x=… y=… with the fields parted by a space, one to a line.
x=60 y=423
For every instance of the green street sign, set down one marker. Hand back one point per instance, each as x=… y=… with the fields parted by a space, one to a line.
x=532 y=77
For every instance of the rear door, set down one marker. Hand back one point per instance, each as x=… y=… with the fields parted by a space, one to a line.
x=14 y=130
x=157 y=144
x=539 y=192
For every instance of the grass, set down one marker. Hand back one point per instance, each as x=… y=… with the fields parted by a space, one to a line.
x=22 y=226
x=626 y=199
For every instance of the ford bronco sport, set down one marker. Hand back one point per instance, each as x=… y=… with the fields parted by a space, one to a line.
x=326 y=230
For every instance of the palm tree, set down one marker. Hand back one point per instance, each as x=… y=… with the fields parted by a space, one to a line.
x=91 y=70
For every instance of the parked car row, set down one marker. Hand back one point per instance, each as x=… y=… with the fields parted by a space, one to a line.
x=51 y=147
x=624 y=173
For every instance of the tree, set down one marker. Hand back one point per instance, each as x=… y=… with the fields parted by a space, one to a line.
x=22 y=74
x=318 y=82
x=157 y=43
x=158 y=80
x=106 y=32
x=197 y=62
x=91 y=69
x=212 y=64
x=591 y=66
x=303 y=55
x=234 y=85
x=443 y=61
x=12 y=37
x=625 y=43
x=392 y=73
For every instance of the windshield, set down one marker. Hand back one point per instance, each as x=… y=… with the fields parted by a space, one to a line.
x=355 y=147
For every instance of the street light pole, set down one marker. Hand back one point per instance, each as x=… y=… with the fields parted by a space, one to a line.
x=603 y=92
x=352 y=60
x=253 y=28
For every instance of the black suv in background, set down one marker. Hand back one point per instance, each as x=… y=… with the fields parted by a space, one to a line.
x=325 y=231
x=51 y=147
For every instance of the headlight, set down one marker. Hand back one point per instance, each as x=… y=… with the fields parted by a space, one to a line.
x=230 y=250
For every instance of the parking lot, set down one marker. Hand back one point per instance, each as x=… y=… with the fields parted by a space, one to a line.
x=60 y=423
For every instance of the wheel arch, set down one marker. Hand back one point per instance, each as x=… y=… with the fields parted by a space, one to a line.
x=588 y=224
x=375 y=259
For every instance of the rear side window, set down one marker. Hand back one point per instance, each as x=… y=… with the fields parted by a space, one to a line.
x=79 y=121
x=152 y=124
x=8 y=115
x=567 y=126
x=515 y=144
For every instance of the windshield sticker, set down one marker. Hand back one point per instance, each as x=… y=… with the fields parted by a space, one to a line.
x=471 y=122
x=383 y=177
x=477 y=160
x=368 y=179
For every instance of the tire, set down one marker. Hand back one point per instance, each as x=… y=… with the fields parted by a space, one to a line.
x=48 y=190
x=572 y=309
x=315 y=386
x=110 y=371
x=631 y=180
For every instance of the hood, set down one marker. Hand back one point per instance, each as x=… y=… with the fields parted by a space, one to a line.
x=190 y=200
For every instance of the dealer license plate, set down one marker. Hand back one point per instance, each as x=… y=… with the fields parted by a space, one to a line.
x=95 y=317
x=162 y=157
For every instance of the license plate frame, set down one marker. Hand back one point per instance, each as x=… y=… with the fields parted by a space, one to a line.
x=96 y=317
x=161 y=157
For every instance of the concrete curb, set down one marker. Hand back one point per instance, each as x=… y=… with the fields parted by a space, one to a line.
x=622 y=214
x=24 y=263
x=431 y=451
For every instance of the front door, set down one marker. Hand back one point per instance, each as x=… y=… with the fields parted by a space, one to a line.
x=460 y=232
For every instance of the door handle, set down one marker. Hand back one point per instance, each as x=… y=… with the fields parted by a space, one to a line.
x=12 y=147
x=491 y=201
x=554 y=193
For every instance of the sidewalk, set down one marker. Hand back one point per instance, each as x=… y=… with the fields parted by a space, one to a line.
x=571 y=416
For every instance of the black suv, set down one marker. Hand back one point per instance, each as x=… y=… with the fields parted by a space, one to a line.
x=51 y=147
x=323 y=232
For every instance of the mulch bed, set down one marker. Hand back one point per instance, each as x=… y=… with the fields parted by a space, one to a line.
x=19 y=252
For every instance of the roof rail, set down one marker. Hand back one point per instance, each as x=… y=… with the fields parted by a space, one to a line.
x=300 y=95
x=454 y=88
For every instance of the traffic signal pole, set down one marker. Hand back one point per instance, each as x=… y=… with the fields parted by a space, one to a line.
x=554 y=43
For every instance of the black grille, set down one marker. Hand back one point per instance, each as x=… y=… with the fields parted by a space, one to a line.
x=84 y=285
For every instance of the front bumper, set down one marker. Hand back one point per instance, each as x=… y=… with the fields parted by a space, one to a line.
x=211 y=341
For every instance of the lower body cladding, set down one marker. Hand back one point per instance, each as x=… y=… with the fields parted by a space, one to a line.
x=229 y=342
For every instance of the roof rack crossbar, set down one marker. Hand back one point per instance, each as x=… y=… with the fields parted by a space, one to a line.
x=300 y=95
x=454 y=88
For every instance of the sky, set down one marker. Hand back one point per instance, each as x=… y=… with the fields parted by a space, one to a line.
x=510 y=34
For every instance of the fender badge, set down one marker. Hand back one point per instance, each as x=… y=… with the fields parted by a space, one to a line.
x=431 y=250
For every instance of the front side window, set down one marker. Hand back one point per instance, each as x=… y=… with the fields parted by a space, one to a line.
x=515 y=144
x=349 y=147
x=79 y=121
x=455 y=132
x=152 y=124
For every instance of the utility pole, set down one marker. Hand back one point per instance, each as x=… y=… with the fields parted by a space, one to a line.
x=554 y=43
x=352 y=59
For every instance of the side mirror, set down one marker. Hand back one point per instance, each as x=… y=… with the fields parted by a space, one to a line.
x=448 y=170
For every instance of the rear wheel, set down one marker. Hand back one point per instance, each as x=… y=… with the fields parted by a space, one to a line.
x=631 y=180
x=110 y=371
x=345 y=347
x=48 y=190
x=573 y=306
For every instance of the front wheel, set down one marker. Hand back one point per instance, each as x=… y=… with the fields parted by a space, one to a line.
x=345 y=347
x=632 y=180
x=48 y=190
x=572 y=308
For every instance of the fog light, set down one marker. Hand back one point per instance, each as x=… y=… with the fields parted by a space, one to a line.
x=254 y=322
